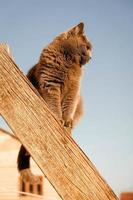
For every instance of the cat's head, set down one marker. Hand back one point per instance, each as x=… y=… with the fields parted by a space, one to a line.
x=75 y=45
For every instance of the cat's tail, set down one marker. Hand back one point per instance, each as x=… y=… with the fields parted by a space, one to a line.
x=23 y=161
x=31 y=75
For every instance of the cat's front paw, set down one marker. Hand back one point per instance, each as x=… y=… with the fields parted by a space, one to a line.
x=28 y=176
x=61 y=121
x=68 y=123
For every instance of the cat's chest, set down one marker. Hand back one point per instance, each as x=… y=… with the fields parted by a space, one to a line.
x=71 y=84
x=73 y=78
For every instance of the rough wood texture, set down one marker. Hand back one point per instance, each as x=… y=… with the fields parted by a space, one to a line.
x=5 y=46
x=56 y=153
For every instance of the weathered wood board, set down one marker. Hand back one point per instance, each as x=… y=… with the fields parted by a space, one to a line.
x=65 y=165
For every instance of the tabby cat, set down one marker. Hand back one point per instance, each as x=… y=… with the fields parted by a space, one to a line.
x=57 y=77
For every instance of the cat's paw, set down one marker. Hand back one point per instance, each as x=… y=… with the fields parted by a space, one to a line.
x=61 y=121
x=28 y=176
x=68 y=123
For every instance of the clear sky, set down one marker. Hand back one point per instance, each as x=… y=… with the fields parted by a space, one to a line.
x=105 y=132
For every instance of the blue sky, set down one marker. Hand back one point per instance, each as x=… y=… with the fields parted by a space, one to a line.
x=105 y=132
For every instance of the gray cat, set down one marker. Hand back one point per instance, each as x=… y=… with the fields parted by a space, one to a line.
x=57 y=77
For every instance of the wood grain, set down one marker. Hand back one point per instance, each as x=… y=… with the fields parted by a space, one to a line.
x=65 y=165
x=5 y=47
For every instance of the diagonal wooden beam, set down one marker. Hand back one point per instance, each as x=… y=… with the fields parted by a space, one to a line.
x=65 y=165
x=5 y=46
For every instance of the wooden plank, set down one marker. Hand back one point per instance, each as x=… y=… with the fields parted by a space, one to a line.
x=65 y=165
x=5 y=46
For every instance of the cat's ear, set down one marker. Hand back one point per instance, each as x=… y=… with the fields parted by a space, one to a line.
x=76 y=30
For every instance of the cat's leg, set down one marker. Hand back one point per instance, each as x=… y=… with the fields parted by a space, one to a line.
x=23 y=160
x=23 y=164
x=69 y=106
x=51 y=95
